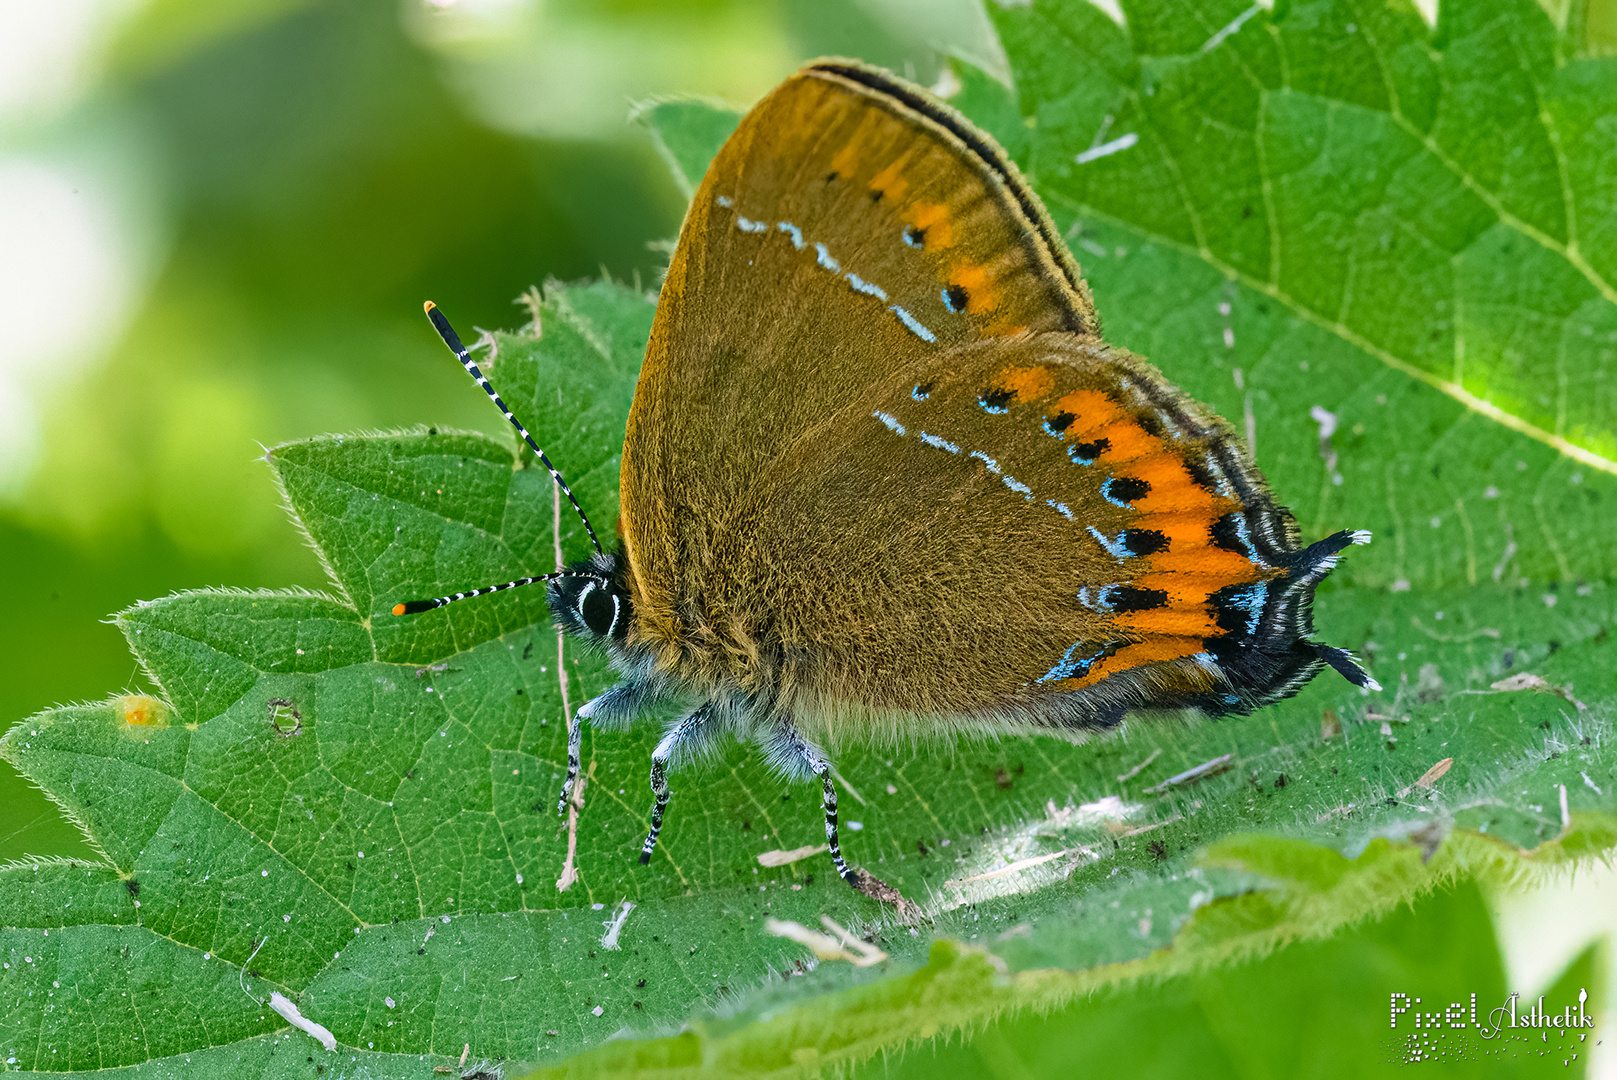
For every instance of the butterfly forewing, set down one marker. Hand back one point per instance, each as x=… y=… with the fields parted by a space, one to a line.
x=842 y=233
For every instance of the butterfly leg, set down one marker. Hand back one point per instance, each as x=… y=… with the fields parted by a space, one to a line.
x=793 y=755
x=619 y=705
x=689 y=730
x=575 y=747
x=831 y=827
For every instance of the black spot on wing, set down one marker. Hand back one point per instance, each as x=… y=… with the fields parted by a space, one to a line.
x=1230 y=533
x=1144 y=541
x=1132 y=598
x=1126 y=489
x=995 y=400
x=1087 y=453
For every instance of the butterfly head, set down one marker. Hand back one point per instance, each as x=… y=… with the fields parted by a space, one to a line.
x=591 y=599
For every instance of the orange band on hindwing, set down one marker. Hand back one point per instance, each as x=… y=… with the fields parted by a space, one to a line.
x=1153 y=651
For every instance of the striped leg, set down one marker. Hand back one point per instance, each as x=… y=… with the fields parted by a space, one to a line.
x=690 y=729
x=793 y=755
x=831 y=827
x=575 y=749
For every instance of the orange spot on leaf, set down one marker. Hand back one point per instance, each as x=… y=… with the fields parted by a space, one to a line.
x=142 y=710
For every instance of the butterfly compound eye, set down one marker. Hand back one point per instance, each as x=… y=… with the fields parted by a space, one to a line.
x=598 y=608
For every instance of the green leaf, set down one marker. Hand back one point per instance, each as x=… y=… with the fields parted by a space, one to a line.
x=295 y=731
x=687 y=133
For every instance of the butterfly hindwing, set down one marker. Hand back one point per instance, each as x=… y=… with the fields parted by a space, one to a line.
x=1050 y=517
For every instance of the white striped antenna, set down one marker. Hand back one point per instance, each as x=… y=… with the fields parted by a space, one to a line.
x=452 y=339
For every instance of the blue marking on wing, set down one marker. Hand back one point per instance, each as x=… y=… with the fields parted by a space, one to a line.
x=1074 y=664
x=1062 y=507
x=941 y=444
x=1251 y=601
x=746 y=224
x=1106 y=493
x=918 y=394
x=1098 y=597
x=948 y=302
x=859 y=284
x=990 y=463
x=913 y=323
x=824 y=259
x=725 y=200
x=892 y=423
x=1113 y=544
x=1016 y=485
x=1245 y=537
x=794 y=232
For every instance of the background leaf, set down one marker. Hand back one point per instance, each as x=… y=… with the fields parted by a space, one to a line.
x=434 y=745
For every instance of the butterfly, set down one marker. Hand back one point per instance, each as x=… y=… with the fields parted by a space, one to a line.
x=884 y=481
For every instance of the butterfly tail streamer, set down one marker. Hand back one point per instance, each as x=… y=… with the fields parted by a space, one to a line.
x=1308 y=568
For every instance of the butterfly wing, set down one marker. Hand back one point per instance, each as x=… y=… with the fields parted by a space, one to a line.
x=850 y=227
x=880 y=463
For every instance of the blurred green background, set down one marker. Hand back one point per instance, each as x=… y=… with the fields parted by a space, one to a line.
x=220 y=222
